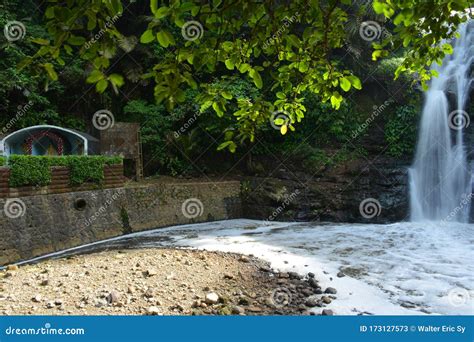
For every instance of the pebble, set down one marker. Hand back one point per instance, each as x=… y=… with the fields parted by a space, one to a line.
x=113 y=297
x=326 y=300
x=37 y=298
x=238 y=310
x=153 y=310
x=294 y=275
x=330 y=290
x=244 y=258
x=327 y=312
x=313 y=283
x=311 y=275
x=12 y=267
x=50 y=305
x=340 y=274
x=228 y=276
x=44 y=282
x=150 y=273
x=212 y=298
x=311 y=302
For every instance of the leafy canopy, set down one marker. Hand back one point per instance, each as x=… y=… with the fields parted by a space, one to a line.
x=286 y=48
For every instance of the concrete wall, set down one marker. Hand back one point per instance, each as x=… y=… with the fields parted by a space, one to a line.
x=49 y=223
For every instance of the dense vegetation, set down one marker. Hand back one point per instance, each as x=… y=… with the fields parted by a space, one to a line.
x=36 y=170
x=239 y=81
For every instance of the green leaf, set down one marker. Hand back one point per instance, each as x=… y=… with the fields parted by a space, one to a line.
x=283 y=129
x=40 y=41
x=51 y=72
x=447 y=48
x=229 y=64
x=336 y=100
x=76 y=40
x=162 y=12
x=147 y=37
x=116 y=79
x=95 y=76
x=345 y=84
x=165 y=38
x=257 y=79
x=101 y=86
x=153 y=6
x=226 y=95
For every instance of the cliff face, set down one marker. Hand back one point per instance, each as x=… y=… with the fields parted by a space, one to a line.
x=357 y=191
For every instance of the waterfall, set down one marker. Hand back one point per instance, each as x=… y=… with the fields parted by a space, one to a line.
x=440 y=179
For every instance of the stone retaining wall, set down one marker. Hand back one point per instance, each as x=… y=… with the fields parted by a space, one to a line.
x=54 y=222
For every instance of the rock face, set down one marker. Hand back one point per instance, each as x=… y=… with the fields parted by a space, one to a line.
x=334 y=194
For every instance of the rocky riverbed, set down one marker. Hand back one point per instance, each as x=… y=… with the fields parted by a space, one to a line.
x=159 y=282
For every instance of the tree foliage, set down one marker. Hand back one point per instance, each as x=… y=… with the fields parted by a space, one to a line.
x=286 y=48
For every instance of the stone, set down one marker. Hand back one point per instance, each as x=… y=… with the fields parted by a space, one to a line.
x=244 y=258
x=228 y=276
x=238 y=310
x=12 y=268
x=311 y=275
x=294 y=275
x=44 y=282
x=150 y=273
x=326 y=300
x=340 y=274
x=255 y=309
x=113 y=297
x=244 y=301
x=330 y=290
x=153 y=310
x=327 y=312
x=283 y=275
x=311 y=302
x=131 y=289
x=37 y=298
x=212 y=298
x=313 y=283
x=50 y=305
x=58 y=301
x=149 y=293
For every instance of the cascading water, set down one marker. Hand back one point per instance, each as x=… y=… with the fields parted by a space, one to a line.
x=440 y=180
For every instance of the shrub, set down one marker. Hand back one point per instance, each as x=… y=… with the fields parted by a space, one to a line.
x=3 y=161
x=36 y=170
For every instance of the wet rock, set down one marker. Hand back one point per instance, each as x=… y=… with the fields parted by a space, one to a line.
x=311 y=302
x=327 y=312
x=340 y=274
x=311 y=275
x=313 y=283
x=326 y=300
x=294 y=275
x=330 y=290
